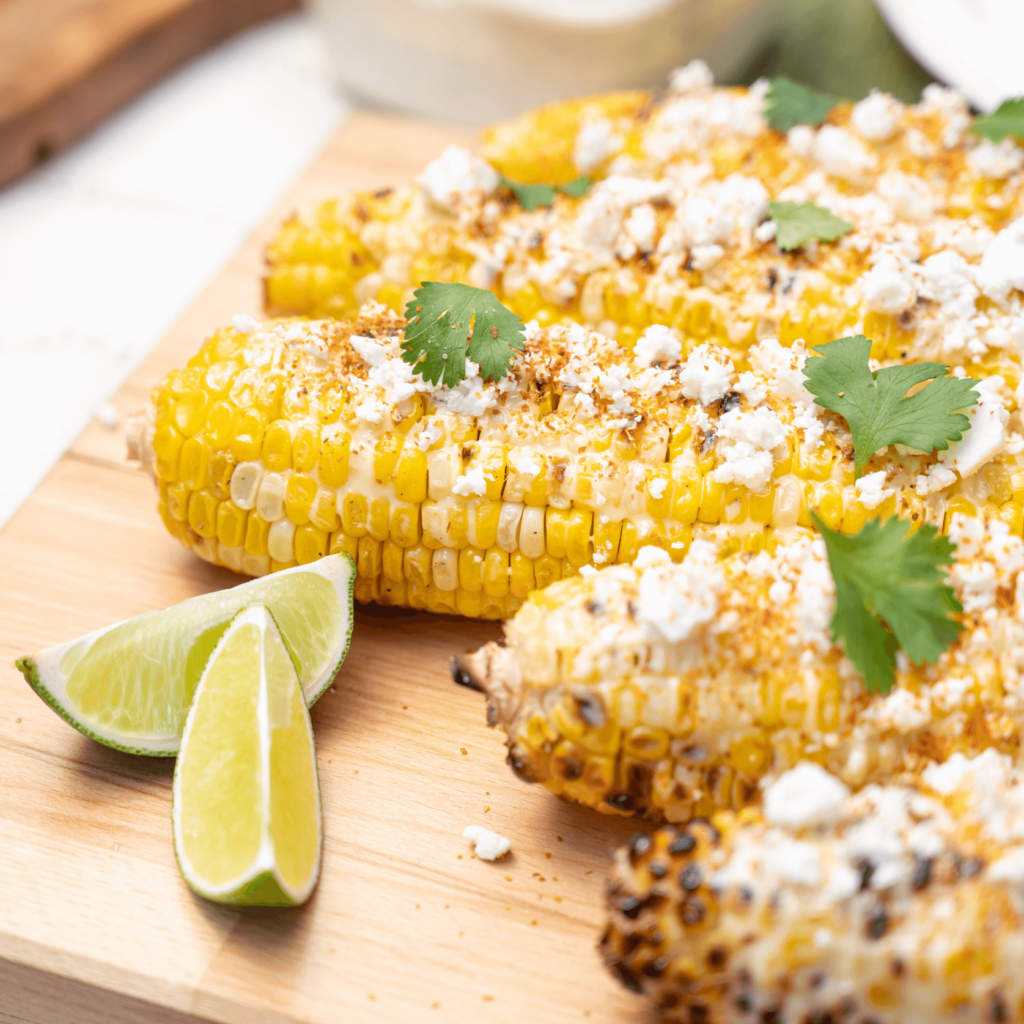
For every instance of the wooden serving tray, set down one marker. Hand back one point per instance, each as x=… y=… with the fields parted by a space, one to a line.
x=96 y=925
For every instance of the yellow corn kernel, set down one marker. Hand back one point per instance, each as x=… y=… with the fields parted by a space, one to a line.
x=735 y=504
x=190 y=412
x=471 y=569
x=679 y=441
x=629 y=543
x=855 y=516
x=354 y=514
x=342 y=542
x=493 y=459
x=784 y=466
x=753 y=541
x=469 y=602
x=167 y=443
x=220 y=425
x=392 y=561
x=458 y=526
x=417 y=560
x=482 y=522
x=569 y=570
x=659 y=492
x=219 y=473
x=546 y=570
x=195 y=459
x=386 y=450
x=556 y=532
x=1013 y=515
x=306 y=447
x=750 y=752
x=686 y=492
x=298 y=497
x=830 y=504
x=175 y=527
x=405 y=525
x=496 y=566
x=961 y=505
x=202 y=513
x=248 y=439
x=607 y=535
x=333 y=463
x=411 y=476
x=268 y=397
x=761 y=505
x=231 y=524
x=521 y=581
x=277 y=447
x=712 y=493
x=257 y=530
x=406 y=414
x=645 y=743
x=678 y=538
x=379 y=522
x=577 y=544
x=535 y=488
x=311 y=543
x=323 y=512
x=367 y=589
x=830 y=696
x=368 y=557
x=177 y=501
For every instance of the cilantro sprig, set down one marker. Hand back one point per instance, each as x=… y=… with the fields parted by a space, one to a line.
x=890 y=594
x=788 y=104
x=876 y=405
x=1007 y=119
x=798 y=223
x=530 y=197
x=448 y=322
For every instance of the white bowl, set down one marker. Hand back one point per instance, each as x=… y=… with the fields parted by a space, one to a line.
x=476 y=61
x=972 y=44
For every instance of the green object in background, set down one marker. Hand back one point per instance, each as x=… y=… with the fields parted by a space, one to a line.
x=842 y=47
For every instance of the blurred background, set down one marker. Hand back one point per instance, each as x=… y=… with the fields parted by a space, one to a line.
x=142 y=140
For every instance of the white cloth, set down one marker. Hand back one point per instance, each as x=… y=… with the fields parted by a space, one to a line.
x=101 y=249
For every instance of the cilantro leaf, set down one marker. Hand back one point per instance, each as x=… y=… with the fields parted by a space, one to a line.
x=530 y=197
x=797 y=223
x=445 y=318
x=1008 y=119
x=875 y=404
x=789 y=104
x=886 y=576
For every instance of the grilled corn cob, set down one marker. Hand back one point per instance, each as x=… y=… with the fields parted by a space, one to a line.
x=672 y=691
x=676 y=231
x=284 y=441
x=902 y=904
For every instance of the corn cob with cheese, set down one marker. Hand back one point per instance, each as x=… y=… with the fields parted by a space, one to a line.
x=281 y=442
x=901 y=904
x=671 y=691
x=676 y=229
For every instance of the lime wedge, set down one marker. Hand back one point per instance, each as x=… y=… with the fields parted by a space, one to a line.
x=246 y=797
x=130 y=685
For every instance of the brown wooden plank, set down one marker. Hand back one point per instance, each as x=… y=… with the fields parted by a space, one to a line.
x=65 y=65
x=405 y=924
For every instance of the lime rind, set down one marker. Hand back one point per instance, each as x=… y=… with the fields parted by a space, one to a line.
x=49 y=671
x=262 y=883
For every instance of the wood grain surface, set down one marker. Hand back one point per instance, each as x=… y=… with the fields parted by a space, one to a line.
x=65 y=65
x=405 y=925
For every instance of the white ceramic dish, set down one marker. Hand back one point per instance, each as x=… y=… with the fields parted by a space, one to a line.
x=972 y=44
x=480 y=60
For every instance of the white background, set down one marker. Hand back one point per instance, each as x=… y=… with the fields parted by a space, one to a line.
x=101 y=249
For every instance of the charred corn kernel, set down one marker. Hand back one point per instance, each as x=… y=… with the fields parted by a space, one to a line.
x=368 y=557
x=378 y=523
x=405 y=525
x=220 y=425
x=298 y=497
x=202 y=513
x=354 y=515
x=342 y=542
x=248 y=439
x=385 y=458
x=496 y=572
x=195 y=460
x=333 y=462
x=231 y=522
x=311 y=543
x=411 y=476
x=521 y=580
x=257 y=530
x=417 y=562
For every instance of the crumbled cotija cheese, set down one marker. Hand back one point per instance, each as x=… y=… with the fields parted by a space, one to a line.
x=488 y=845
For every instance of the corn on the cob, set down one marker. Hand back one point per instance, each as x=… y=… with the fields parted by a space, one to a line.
x=281 y=442
x=675 y=232
x=671 y=691
x=902 y=904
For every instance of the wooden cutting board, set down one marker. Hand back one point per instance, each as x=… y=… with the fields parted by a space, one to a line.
x=405 y=925
x=65 y=65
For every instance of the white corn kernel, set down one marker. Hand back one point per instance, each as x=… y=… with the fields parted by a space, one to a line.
x=789 y=493
x=205 y=548
x=270 y=497
x=281 y=540
x=531 y=532
x=442 y=471
x=231 y=557
x=435 y=524
x=508 y=526
x=245 y=482
x=255 y=565
x=444 y=567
